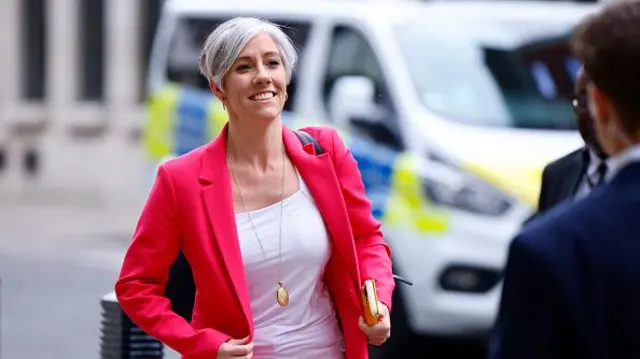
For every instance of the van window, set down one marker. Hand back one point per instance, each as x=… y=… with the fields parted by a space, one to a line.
x=190 y=34
x=351 y=54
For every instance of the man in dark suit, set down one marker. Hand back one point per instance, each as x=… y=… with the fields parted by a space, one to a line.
x=572 y=281
x=577 y=173
x=181 y=287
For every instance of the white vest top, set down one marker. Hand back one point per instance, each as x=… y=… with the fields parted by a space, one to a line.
x=307 y=327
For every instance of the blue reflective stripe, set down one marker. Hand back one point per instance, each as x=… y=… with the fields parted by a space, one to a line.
x=376 y=164
x=192 y=116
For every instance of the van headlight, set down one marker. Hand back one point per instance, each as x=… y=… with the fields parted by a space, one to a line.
x=446 y=185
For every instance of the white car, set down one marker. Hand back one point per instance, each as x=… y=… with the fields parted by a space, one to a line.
x=451 y=109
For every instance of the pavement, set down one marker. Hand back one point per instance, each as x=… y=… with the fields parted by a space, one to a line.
x=56 y=263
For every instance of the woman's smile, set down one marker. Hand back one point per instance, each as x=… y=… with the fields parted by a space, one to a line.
x=263 y=96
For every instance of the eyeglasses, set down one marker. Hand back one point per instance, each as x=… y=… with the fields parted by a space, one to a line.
x=579 y=101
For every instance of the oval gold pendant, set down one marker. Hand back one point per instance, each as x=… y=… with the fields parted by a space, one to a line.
x=282 y=295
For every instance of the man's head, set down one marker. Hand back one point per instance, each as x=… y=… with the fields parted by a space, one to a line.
x=581 y=109
x=608 y=44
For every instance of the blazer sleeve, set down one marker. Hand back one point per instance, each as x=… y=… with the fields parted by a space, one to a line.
x=374 y=255
x=526 y=326
x=140 y=286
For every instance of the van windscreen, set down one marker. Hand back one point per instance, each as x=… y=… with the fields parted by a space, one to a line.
x=493 y=76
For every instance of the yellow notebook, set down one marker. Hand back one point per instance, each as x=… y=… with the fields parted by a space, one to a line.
x=369 y=297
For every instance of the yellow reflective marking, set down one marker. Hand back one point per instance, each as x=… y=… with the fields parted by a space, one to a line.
x=523 y=183
x=217 y=118
x=408 y=206
x=157 y=136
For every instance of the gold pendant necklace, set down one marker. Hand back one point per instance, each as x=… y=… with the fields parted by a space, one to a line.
x=282 y=295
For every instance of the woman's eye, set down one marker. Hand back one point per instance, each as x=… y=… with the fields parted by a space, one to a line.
x=242 y=67
x=273 y=62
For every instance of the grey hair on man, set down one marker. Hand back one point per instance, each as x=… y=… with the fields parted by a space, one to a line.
x=224 y=44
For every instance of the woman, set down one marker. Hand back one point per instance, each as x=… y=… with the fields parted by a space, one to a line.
x=279 y=239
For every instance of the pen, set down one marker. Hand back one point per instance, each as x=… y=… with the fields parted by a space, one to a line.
x=400 y=279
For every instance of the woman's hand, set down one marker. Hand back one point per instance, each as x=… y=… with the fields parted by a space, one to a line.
x=236 y=348
x=381 y=331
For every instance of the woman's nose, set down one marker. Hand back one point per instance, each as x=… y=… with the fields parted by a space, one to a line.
x=262 y=76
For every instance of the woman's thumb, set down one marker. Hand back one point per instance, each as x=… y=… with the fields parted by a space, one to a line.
x=242 y=341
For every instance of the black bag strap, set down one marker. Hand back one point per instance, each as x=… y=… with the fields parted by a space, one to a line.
x=306 y=138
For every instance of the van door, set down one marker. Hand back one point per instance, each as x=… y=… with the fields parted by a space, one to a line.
x=356 y=97
x=355 y=93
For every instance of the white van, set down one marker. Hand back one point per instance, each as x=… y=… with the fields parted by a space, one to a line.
x=451 y=109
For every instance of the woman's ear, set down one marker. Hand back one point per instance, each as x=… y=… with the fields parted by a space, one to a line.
x=217 y=92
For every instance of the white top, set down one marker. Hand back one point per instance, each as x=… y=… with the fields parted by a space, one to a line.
x=307 y=327
x=591 y=174
x=617 y=163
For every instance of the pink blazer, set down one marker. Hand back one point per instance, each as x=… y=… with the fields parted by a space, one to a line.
x=190 y=207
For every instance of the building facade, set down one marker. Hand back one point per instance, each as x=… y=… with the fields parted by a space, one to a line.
x=71 y=96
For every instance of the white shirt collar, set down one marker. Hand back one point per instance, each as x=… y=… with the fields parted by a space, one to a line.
x=617 y=163
x=594 y=162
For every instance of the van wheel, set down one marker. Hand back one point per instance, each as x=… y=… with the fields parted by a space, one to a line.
x=403 y=342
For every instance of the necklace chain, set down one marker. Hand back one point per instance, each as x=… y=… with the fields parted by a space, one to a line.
x=281 y=294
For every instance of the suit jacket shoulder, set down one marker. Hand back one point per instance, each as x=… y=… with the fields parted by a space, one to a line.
x=560 y=178
x=190 y=161
x=541 y=235
x=320 y=133
x=326 y=136
x=561 y=164
x=573 y=277
x=586 y=223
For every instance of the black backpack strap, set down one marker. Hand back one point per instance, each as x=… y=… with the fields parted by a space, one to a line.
x=306 y=138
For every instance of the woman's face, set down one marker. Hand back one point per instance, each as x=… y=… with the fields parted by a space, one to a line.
x=255 y=86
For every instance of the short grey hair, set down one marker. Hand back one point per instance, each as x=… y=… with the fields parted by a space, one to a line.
x=224 y=44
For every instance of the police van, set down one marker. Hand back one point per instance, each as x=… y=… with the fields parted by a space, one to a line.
x=451 y=109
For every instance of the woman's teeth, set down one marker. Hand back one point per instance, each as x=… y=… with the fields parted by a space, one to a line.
x=262 y=96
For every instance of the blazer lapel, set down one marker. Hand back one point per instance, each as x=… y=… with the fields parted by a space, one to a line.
x=319 y=175
x=575 y=173
x=218 y=200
